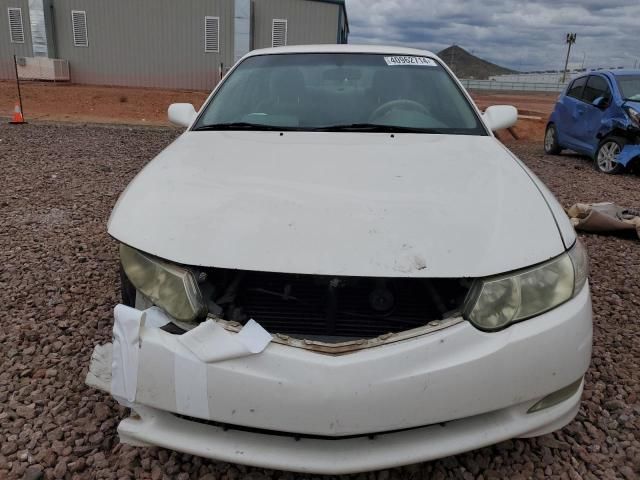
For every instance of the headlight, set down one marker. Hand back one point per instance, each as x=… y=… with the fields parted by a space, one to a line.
x=169 y=286
x=634 y=116
x=494 y=303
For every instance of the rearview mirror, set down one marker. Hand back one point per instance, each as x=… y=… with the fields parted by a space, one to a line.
x=498 y=117
x=600 y=102
x=181 y=114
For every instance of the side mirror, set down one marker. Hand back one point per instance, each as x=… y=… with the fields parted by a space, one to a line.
x=600 y=102
x=498 y=117
x=181 y=114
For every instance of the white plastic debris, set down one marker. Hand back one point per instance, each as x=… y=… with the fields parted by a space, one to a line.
x=114 y=367
x=210 y=342
x=99 y=374
x=124 y=363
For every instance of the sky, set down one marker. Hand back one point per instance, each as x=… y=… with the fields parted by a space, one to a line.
x=516 y=34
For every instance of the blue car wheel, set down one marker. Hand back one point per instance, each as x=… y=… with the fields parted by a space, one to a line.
x=551 y=145
x=607 y=153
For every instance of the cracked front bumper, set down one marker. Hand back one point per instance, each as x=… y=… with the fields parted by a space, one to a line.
x=438 y=394
x=343 y=456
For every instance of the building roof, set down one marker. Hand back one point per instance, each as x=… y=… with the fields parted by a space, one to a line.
x=342 y=48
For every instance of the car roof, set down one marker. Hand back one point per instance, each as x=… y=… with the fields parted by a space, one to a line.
x=624 y=72
x=342 y=48
x=612 y=73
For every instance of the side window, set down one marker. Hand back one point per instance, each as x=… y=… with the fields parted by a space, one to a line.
x=597 y=86
x=575 y=90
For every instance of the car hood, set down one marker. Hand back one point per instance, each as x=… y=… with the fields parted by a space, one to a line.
x=363 y=204
x=633 y=104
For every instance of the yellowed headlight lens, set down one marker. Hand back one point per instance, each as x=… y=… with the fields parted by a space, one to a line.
x=170 y=287
x=497 y=302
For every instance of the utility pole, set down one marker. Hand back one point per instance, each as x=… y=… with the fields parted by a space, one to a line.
x=571 y=39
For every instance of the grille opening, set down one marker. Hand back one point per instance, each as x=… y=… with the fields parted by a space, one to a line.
x=296 y=436
x=327 y=308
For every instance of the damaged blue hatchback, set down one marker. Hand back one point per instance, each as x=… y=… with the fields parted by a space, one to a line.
x=598 y=115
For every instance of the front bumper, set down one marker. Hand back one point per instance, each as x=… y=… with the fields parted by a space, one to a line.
x=337 y=457
x=479 y=384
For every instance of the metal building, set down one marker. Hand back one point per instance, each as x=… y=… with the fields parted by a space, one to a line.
x=181 y=44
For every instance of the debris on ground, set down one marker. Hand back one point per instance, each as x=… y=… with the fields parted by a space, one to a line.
x=604 y=217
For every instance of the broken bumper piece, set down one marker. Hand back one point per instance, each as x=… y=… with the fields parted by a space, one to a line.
x=628 y=153
x=413 y=400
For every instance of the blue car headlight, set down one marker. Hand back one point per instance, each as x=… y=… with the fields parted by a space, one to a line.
x=634 y=116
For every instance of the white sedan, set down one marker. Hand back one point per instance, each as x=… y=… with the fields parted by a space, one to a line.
x=338 y=268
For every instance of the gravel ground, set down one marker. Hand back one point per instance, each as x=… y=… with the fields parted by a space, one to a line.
x=58 y=285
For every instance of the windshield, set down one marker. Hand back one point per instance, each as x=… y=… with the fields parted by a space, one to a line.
x=348 y=92
x=630 y=87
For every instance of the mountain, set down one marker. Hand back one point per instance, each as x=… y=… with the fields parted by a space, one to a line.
x=466 y=65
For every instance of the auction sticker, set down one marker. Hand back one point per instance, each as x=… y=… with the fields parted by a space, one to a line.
x=409 y=60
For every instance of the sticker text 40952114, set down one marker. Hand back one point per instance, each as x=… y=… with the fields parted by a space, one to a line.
x=409 y=60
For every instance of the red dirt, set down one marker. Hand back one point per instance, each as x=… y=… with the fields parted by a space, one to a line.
x=94 y=104
x=529 y=103
x=148 y=106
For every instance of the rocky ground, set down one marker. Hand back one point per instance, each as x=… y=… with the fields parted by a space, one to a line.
x=58 y=285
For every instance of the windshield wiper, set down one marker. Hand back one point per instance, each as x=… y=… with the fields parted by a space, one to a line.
x=373 y=127
x=351 y=127
x=243 y=126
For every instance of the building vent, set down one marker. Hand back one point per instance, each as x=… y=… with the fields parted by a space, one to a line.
x=16 y=29
x=212 y=34
x=79 y=23
x=279 y=33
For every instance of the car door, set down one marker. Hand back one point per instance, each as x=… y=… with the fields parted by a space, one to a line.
x=589 y=122
x=568 y=110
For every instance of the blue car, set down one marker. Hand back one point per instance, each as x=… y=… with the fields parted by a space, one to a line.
x=598 y=115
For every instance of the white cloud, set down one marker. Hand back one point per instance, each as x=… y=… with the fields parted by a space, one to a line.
x=518 y=34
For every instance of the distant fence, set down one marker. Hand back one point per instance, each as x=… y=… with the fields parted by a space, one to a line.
x=470 y=84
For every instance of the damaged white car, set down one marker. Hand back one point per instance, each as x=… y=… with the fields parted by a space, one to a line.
x=338 y=268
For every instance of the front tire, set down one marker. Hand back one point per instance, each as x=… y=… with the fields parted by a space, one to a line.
x=607 y=153
x=551 y=145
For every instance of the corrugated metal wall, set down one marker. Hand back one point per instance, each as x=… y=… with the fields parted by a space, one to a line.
x=8 y=49
x=300 y=31
x=160 y=43
x=151 y=43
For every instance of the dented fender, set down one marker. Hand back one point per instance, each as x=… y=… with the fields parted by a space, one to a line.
x=619 y=124
x=613 y=122
x=628 y=153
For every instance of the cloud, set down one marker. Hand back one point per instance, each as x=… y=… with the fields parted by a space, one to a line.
x=524 y=35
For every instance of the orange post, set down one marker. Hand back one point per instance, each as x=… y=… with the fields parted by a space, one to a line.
x=17 y=115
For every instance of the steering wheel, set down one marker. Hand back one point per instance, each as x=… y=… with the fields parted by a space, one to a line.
x=402 y=102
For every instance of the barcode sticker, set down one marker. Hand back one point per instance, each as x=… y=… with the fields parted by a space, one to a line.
x=408 y=60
